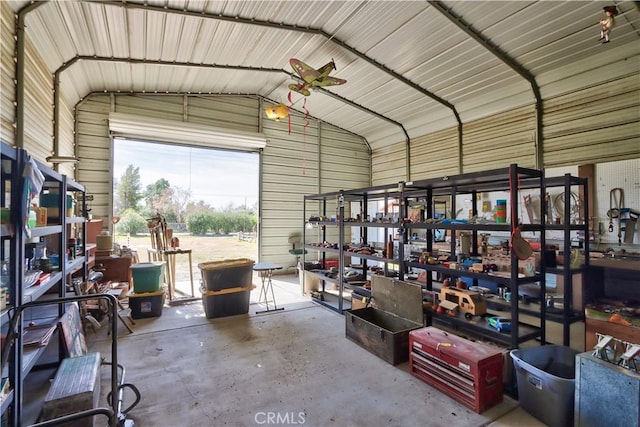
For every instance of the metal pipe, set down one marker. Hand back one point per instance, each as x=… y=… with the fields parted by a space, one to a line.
x=20 y=58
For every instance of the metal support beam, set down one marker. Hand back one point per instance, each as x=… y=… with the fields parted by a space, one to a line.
x=507 y=60
x=20 y=58
x=309 y=30
x=66 y=65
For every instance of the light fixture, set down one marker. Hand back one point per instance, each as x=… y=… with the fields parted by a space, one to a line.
x=276 y=112
x=62 y=159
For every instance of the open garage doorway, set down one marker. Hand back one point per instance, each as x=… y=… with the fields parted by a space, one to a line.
x=208 y=198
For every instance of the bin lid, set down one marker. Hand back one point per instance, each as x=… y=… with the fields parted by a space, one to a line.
x=150 y=265
x=396 y=297
x=145 y=294
x=227 y=263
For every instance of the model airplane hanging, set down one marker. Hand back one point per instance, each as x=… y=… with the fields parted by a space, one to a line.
x=313 y=77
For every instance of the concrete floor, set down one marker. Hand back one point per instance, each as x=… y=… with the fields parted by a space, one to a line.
x=290 y=367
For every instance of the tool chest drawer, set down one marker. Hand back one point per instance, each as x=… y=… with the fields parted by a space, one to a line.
x=468 y=372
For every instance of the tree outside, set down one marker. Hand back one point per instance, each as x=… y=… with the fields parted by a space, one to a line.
x=134 y=205
x=128 y=190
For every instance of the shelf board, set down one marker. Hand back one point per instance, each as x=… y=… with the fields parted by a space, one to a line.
x=8 y=400
x=324 y=223
x=46 y=230
x=371 y=257
x=481 y=327
x=32 y=293
x=560 y=270
x=74 y=265
x=506 y=228
x=30 y=356
x=373 y=224
x=322 y=276
x=75 y=220
x=331 y=301
x=480 y=276
x=320 y=248
x=560 y=227
x=533 y=309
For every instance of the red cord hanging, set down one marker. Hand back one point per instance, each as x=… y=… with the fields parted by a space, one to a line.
x=290 y=107
x=304 y=137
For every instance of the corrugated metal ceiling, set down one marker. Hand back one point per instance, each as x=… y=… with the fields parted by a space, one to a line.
x=406 y=63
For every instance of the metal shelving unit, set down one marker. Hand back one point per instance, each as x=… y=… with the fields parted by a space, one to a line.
x=509 y=180
x=569 y=314
x=54 y=287
x=340 y=226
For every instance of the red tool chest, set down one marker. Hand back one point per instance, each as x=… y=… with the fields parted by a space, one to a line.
x=468 y=372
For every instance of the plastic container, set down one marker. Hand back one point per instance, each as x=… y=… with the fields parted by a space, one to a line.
x=546 y=382
x=227 y=274
x=148 y=304
x=147 y=276
x=226 y=305
x=231 y=273
x=501 y=211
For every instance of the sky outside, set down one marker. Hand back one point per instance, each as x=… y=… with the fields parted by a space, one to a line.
x=217 y=177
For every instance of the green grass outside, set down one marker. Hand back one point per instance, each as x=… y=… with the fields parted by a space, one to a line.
x=203 y=248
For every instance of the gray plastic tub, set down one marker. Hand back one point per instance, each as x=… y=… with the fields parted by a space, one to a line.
x=546 y=382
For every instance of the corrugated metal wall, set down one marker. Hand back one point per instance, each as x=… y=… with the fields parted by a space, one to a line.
x=593 y=125
x=290 y=169
x=487 y=143
x=317 y=158
x=435 y=155
x=7 y=75
x=321 y=159
x=38 y=105
x=499 y=140
x=389 y=165
x=94 y=148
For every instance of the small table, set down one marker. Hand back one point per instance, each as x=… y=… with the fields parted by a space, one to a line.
x=265 y=270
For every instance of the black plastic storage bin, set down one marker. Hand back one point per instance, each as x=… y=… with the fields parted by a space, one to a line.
x=146 y=304
x=226 y=287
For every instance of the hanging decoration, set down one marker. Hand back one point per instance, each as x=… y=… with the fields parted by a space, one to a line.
x=277 y=112
x=304 y=137
x=607 y=23
x=312 y=77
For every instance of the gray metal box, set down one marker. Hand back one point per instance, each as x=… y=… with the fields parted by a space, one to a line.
x=75 y=388
x=606 y=394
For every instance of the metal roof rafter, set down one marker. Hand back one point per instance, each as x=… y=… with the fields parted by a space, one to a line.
x=507 y=60
x=310 y=30
x=282 y=26
x=67 y=64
